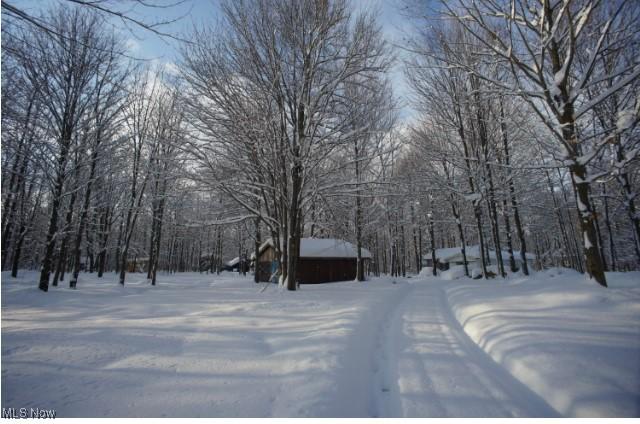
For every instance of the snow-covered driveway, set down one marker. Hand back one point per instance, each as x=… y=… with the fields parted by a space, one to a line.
x=219 y=346
x=435 y=370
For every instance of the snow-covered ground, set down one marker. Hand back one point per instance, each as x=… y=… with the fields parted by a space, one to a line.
x=572 y=342
x=206 y=345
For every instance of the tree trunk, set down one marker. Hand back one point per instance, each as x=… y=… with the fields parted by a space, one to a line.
x=434 y=267
x=414 y=236
x=219 y=254
x=607 y=221
x=512 y=198
x=105 y=228
x=84 y=214
x=403 y=243
x=560 y=217
x=256 y=261
x=18 y=170
x=55 y=205
x=600 y=244
x=575 y=238
x=463 y=242
x=158 y=239
x=17 y=252
x=495 y=226
x=587 y=224
x=483 y=261
x=293 y=249
x=507 y=228
x=62 y=258
x=119 y=247
x=359 y=264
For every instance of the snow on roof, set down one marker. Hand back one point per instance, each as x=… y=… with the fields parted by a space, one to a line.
x=233 y=261
x=329 y=248
x=472 y=252
x=324 y=248
x=444 y=253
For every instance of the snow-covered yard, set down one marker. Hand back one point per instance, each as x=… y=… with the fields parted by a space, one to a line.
x=572 y=342
x=206 y=345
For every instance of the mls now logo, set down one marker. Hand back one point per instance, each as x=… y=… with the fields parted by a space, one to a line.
x=28 y=413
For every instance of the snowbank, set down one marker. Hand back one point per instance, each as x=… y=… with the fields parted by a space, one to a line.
x=425 y=272
x=575 y=344
x=453 y=273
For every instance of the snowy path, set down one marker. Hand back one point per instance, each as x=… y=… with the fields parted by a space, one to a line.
x=434 y=370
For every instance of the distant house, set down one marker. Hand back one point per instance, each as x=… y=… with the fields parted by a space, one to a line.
x=451 y=256
x=321 y=261
x=235 y=263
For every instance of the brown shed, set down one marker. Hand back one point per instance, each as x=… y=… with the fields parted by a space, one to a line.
x=321 y=261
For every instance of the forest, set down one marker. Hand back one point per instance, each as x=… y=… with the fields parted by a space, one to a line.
x=282 y=120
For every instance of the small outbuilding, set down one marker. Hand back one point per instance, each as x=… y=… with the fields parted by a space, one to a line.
x=451 y=256
x=320 y=261
x=236 y=265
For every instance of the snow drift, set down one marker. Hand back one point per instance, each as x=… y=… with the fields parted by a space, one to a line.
x=575 y=344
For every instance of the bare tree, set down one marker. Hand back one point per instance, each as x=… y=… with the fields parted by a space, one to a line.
x=63 y=68
x=540 y=45
x=104 y=114
x=140 y=117
x=271 y=86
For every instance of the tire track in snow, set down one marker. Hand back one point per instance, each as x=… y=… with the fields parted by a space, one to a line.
x=440 y=371
x=384 y=399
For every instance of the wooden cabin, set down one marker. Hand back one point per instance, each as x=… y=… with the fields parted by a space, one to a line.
x=320 y=261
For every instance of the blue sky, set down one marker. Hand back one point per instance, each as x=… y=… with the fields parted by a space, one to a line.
x=146 y=45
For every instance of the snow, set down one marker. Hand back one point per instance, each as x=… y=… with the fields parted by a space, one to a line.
x=574 y=344
x=426 y=271
x=329 y=248
x=445 y=253
x=324 y=248
x=559 y=77
x=554 y=91
x=553 y=344
x=195 y=345
x=476 y=273
x=625 y=119
x=453 y=273
x=454 y=254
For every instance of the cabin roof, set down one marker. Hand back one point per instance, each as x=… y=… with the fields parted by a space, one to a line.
x=323 y=248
